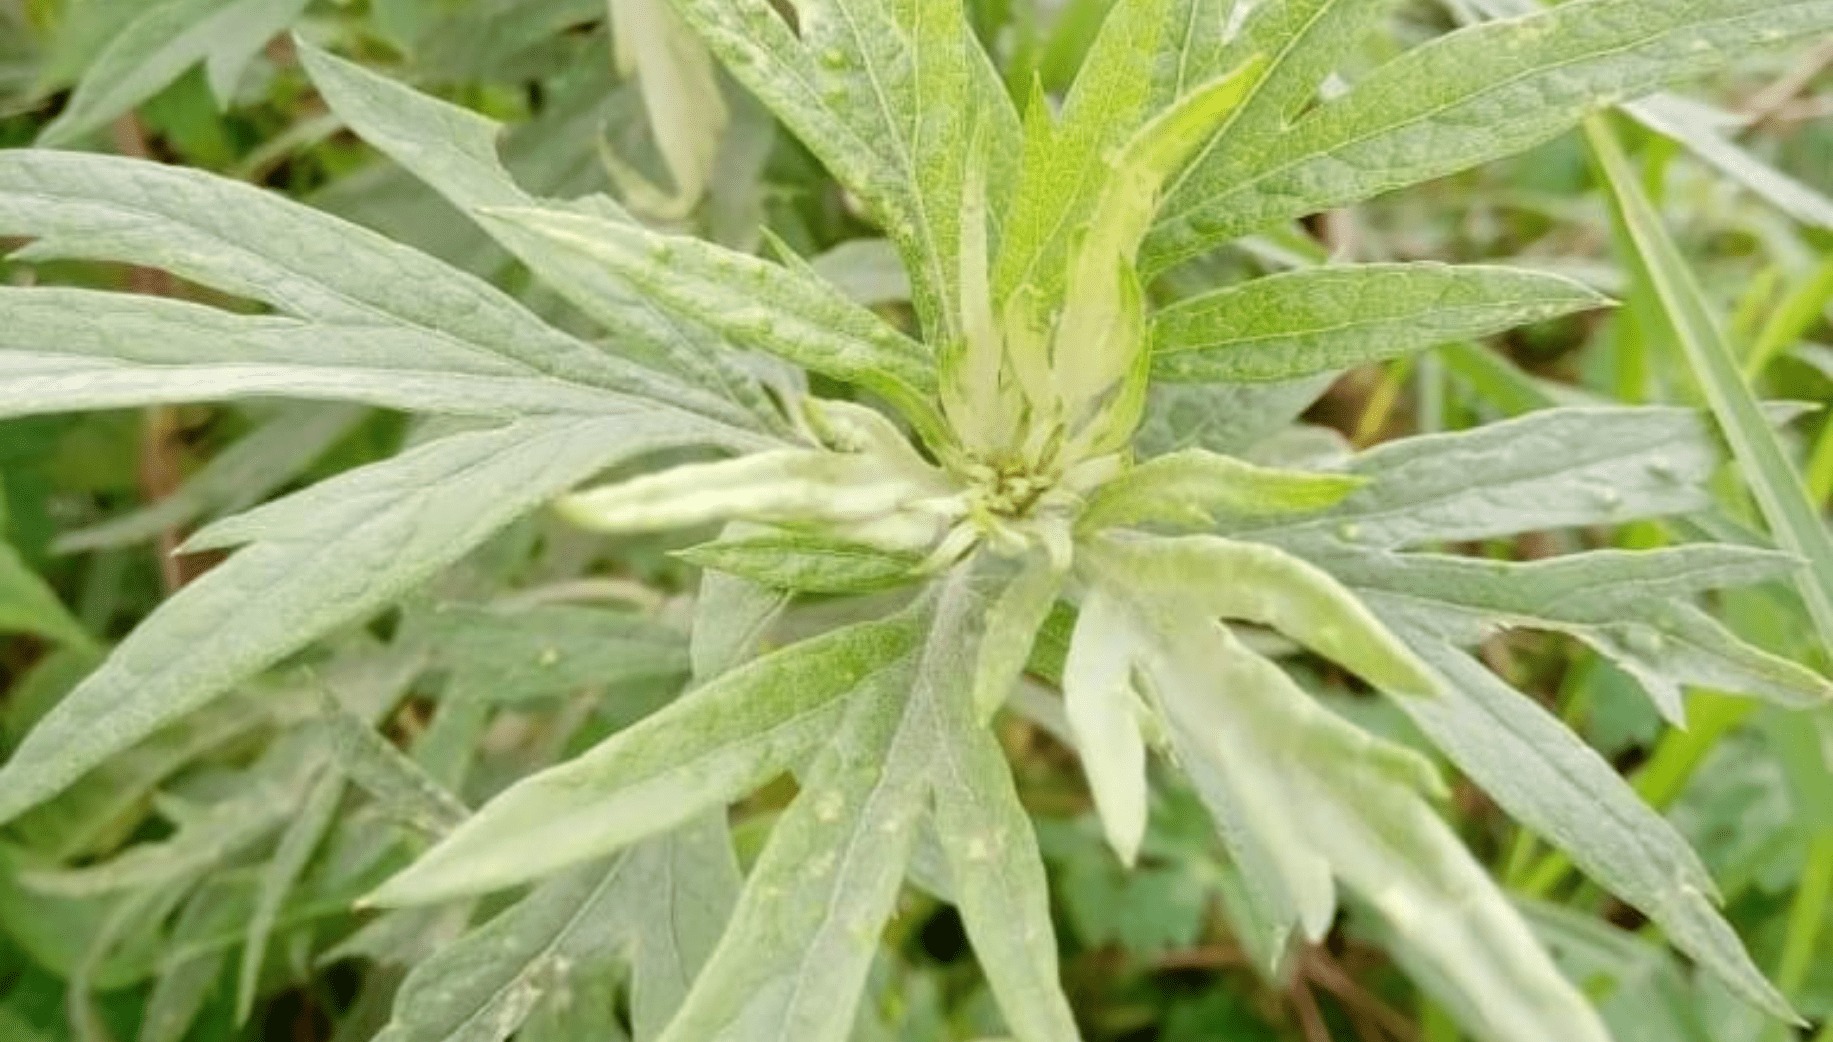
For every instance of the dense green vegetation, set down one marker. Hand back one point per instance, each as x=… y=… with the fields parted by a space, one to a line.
x=916 y=520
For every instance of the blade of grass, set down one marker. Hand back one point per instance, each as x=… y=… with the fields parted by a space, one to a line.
x=1777 y=486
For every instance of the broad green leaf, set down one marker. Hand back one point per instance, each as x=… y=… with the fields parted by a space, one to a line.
x=1552 y=782
x=731 y=617
x=1473 y=95
x=298 y=842
x=1630 y=606
x=1303 y=322
x=1224 y=418
x=887 y=94
x=1698 y=127
x=1651 y=999
x=481 y=988
x=794 y=960
x=67 y=349
x=689 y=881
x=806 y=562
x=1353 y=802
x=1793 y=517
x=454 y=151
x=254 y=244
x=507 y=653
x=865 y=271
x=1305 y=41
x=1288 y=887
x=1103 y=711
x=1256 y=583
x=702 y=751
x=1549 y=469
x=751 y=302
x=322 y=558
x=287 y=441
x=167 y=38
x=996 y=872
x=1185 y=488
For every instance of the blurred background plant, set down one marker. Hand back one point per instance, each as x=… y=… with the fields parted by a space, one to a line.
x=252 y=826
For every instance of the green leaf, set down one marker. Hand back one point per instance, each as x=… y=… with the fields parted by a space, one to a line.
x=806 y=562
x=1216 y=577
x=177 y=998
x=1351 y=802
x=454 y=151
x=1066 y=166
x=795 y=957
x=1549 y=469
x=887 y=94
x=702 y=751
x=67 y=349
x=1186 y=488
x=1793 y=517
x=690 y=882
x=768 y=307
x=1224 y=418
x=155 y=48
x=1650 y=998
x=1304 y=41
x=322 y=558
x=1552 y=782
x=481 y=987
x=287 y=441
x=204 y=838
x=1104 y=711
x=1630 y=606
x=986 y=833
x=243 y=241
x=1100 y=310
x=28 y=605
x=1013 y=620
x=512 y=653
x=1473 y=95
x=298 y=842
x=1696 y=127
x=1303 y=322
x=402 y=789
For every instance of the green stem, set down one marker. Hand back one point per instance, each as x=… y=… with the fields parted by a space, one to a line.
x=1806 y=915
x=1820 y=466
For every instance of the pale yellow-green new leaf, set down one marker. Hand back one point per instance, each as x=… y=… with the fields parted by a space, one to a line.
x=1187 y=488
x=1254 y=582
